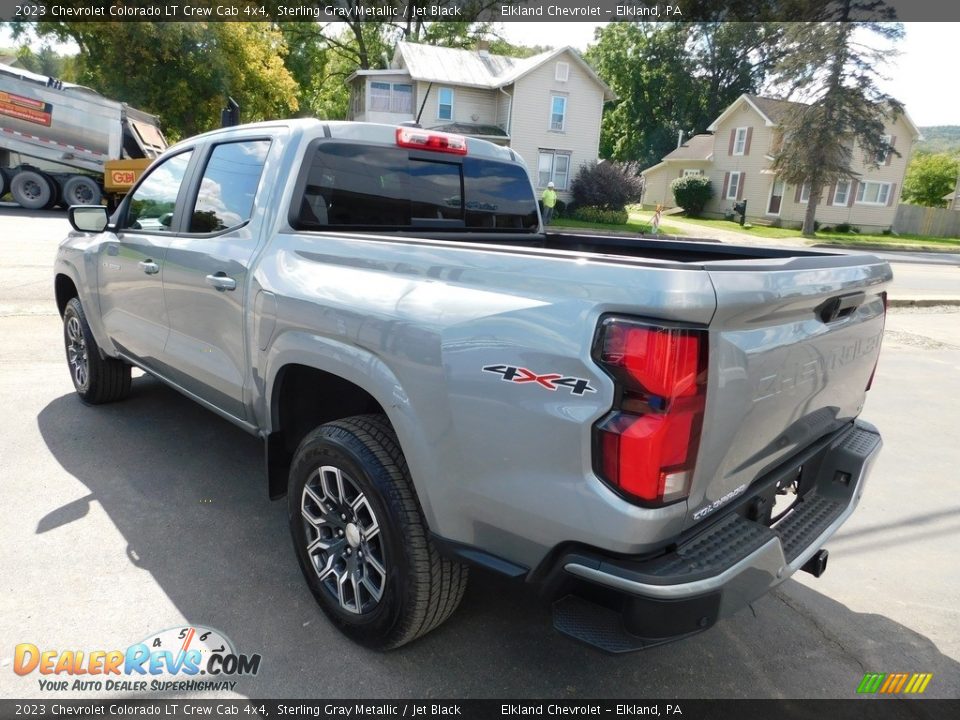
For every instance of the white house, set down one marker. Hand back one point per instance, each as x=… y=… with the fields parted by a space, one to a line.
x=547 y=107
x=737 y=155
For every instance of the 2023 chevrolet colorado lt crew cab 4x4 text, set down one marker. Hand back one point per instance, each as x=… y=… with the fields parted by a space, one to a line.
x=654 y=432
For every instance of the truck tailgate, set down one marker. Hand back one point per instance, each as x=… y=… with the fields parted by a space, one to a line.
x=793 y=345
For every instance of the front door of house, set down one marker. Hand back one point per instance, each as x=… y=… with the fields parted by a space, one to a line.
x=776 y=197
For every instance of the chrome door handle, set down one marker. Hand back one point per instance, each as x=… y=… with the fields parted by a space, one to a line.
x=221 y=282
x=149 y=267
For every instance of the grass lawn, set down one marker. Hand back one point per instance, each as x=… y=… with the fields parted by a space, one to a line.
x=824 y=237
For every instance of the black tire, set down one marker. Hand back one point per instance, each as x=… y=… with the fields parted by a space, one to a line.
x=32 y=190
x=420 y=588
x=81 y=190
x=56 y=194
x=96 y=379
x=4 y=182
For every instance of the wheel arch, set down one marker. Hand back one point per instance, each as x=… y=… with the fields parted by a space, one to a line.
x=65 y=289
x=311 y=381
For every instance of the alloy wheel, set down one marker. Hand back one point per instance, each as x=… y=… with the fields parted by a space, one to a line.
x=344 y=543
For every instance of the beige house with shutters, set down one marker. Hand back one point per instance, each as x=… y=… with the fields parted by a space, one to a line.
x=547 y=108
x=737 y=155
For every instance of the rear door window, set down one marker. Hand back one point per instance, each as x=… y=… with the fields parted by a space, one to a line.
x=229 y=186
x=375 y=187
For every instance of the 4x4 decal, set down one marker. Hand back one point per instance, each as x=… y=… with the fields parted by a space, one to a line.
x=509 y=373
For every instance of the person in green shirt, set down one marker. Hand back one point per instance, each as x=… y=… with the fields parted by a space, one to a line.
x=549 y=200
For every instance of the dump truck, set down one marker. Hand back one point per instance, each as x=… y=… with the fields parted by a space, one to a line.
x=65 y=144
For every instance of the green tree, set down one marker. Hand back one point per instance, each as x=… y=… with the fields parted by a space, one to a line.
x=647 y=66
x=929 y=178
x=46 y=61
x=673 y=77
x=836 y=73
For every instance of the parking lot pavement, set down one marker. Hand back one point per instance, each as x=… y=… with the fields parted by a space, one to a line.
x=126 y=519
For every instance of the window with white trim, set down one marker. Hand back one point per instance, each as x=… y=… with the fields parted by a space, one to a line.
x=733 y=186
x=445 y=104
x=841 y=195
x=688 y=172
x=391 y=97
x=873 y=193
x=805 y=193
x=558 y=112
x=740 y=141
x=883 y=156
x=553 y=166
x=562 y=72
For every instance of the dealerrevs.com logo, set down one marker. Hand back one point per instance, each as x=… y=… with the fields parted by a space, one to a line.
x=184 y=659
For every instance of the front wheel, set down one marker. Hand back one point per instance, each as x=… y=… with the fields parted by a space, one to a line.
x=360 y=536
x=96 y=379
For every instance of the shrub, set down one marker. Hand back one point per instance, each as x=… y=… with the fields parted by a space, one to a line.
x=843 y=227
x=594 y=214
x=560 y=209
x=692 y=193
x=606 y=185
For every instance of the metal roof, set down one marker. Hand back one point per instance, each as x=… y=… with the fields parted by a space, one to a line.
x=453 y=66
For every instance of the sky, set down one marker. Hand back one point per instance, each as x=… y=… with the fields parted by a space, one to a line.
x=918 y=76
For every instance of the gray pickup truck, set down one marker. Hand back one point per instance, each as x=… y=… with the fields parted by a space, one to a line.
x=655 y=433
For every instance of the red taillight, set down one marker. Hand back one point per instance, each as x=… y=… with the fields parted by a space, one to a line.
x=874 y=371
x=430 y=140
x=647 y=444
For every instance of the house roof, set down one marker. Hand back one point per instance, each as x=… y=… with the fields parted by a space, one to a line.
x=775 y=110
x=453 y=66
x=474 y=129
x=698 y=147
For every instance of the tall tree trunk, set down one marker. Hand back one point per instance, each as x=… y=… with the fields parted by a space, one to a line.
x=810 y=217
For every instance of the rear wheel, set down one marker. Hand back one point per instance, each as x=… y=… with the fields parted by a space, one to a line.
x=96 y=379
x=32 y=190
x=360 y=536
x=81 y=190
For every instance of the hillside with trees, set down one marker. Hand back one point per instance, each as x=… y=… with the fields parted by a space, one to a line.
x=940 y=139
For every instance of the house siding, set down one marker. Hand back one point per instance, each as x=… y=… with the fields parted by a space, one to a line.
x=470 y=105
x=756 y=184
x=531 y=117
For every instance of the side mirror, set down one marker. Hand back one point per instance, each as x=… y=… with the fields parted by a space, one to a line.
x=88 y=218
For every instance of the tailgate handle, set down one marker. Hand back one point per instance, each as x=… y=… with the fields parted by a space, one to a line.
x=837 y=308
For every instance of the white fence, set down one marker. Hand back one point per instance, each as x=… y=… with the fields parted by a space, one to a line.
x=934 y=222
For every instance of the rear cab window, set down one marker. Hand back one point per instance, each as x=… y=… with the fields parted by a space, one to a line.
x=375 y=187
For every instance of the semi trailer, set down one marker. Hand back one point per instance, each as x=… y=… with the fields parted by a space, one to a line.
x=65 y=144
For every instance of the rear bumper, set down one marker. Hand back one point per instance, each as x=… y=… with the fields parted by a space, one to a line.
x=728 y=564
